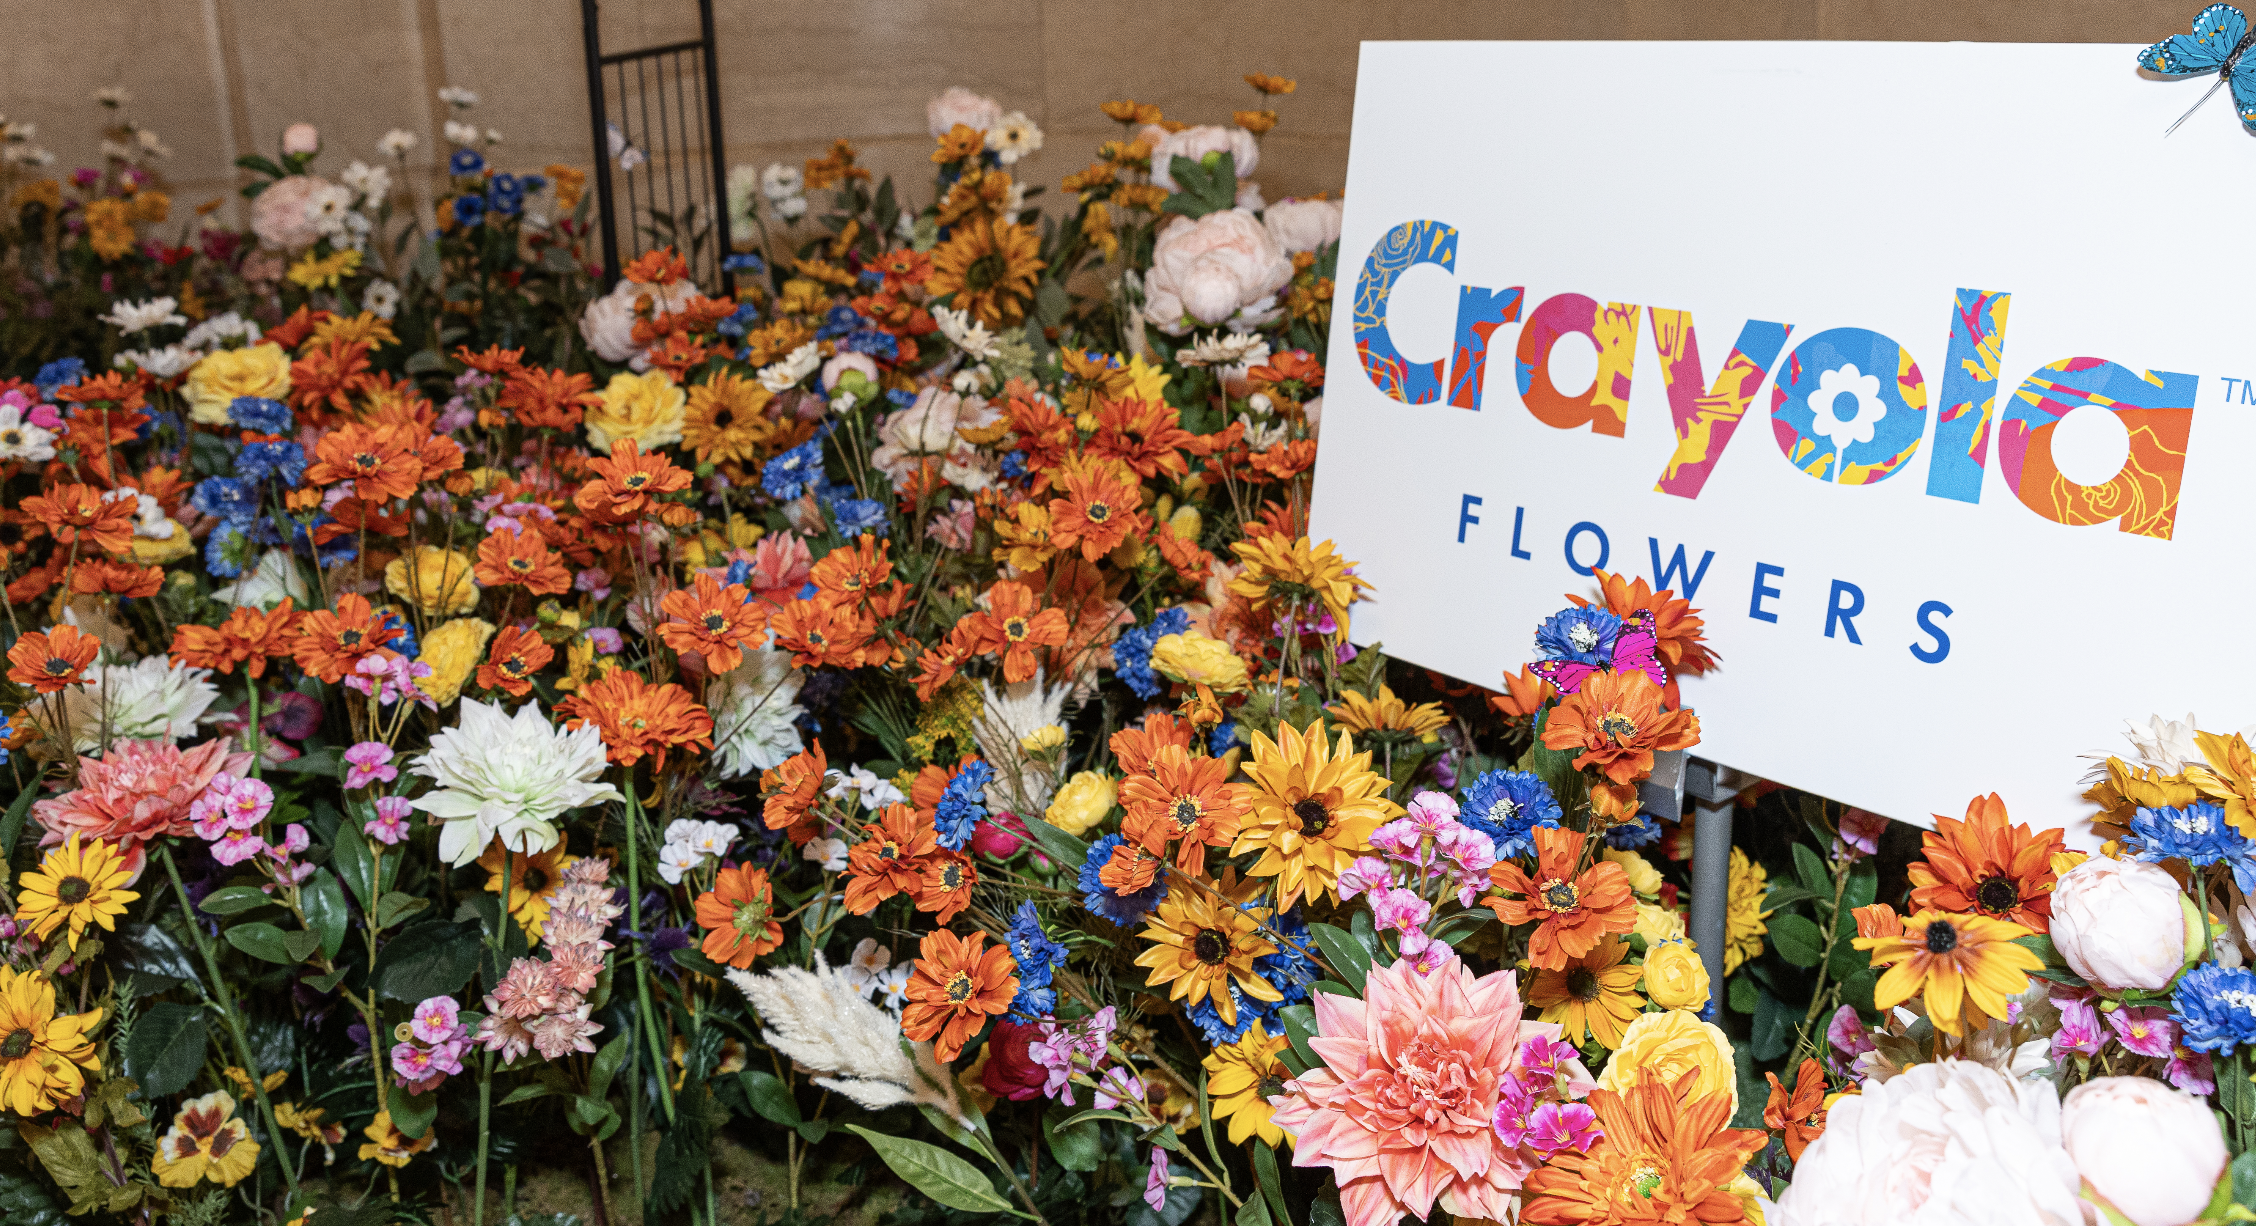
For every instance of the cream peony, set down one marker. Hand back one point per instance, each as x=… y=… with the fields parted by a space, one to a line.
x=1949 y=1143
x=1303 y=225
x=280 y=216
x=2154 y=1152
x=755 y=713
x=151 y=700
x=510 y=778
x=1195 y=144
x=2119 y=924
x=1223 y=268
x=955 y=105
x=608 y=325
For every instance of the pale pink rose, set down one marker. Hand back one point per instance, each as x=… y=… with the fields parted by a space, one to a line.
x=1195 y=143
x=301 y=138
x=608 y=324
x=1303 y=225
x=279 y=216
x=843 y=362
x=926 y=427
x=2118 y=923
x=959 y=105
x=952 y=528
x=2155 y=1153
x=1249 y=196
x=1221 y=268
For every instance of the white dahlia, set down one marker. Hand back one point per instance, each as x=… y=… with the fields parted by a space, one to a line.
x=511 y=777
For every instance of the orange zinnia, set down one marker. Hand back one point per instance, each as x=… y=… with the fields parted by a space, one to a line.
x=818 y=632
x=1011 y=628
x=738 y=916
x=944 y=885
x=1146 y=435
x=1664 y=1156
x=1571 y=914
x=1130 y=870
x=494 y=361
x=78 y=513
x=852 y=573
x=937 y=666
x=328 y=374
x=956 y=987
x=1139 y=748
x=380 y=464
x=548 y=399
x=1985 y=867
x=890 y=858
x=96 y=576
x=638 y=719
x=711 y=620
x=517 y=654
x=628 y=483
x=332 y=644
x=51 y=659
x=1800 y=1118
x=1617 y=722
x=791 y=787
x=248 y=637
x=521 y=557
x=1186 y=799
x=1098 y=512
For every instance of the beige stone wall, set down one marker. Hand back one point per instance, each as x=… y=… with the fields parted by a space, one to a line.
x=217 y=77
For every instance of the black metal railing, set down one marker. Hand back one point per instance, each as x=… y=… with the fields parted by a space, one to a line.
x=661 y=167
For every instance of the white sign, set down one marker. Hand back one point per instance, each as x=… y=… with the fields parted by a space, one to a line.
x=1923 y=369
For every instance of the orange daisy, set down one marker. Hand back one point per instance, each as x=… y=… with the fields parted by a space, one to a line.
x=1983 y=866
x=1524 y=694
x=1098 y=512
x=738 y=916
x=1185 y=799
x=957 y=985
x=328 y=374
x=1145 y=435
x=937 y=666
x=851 y=573
x=1616 y=720
x=1139 y=748
x=1798 y=1118
x=49 y=660
x=1571 y=913
x=945 y=884
x=248 y=637
x=378 y=462
x=818 y=632
x=791 y=787
x=521 y=557
x=78 y=513
x=638 y=719
x=890 y=858
x=1011 y=627
x=517 y=654
x=628 y=484
x=711 y=620
x=494 y=361
x=548 y=399
x=1664 y=1156
x=98 y=576
x=331 y=644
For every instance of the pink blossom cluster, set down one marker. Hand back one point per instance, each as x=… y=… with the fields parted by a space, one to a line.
x=1079 y=1049
x=389 y=678
x=540 y=1004
x=430 y=1045
x=1427 y=852
x=369 y=763
x=389 y=826
x=231 y=815
x=1536 y=1107
x=2148 y=1031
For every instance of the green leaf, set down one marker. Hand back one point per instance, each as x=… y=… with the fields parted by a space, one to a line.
x=260 y=163
x=11 y=826
x=935 y=1172
x=433 y=958
x=1209 y=185
x=694 y=959
x=1068 y=850
x=590 y=1114
x=1846 y=960
x=1857 y=989
x=1797 y=940
x=1349 y=960
x=1300 y=1026
x=1785 y=894
x=323 y=902
x=1077 y=1147
x=770 y=1097
x=392 y=908
x=1254 y=1212
x=1326 y=1209
x=1864 y=885
x=1265 y=1172
x=1090 y=1117
x=606 y=1064
x=525 y=1094
x=2243 y=1171
x=350 y=859
x=1775 y=1022
x=1809 y=869
x=1206 y=1122
x=151 y=954
x=166 y=1049
x=263 y=941
x=24 y=1201
x=412 y=1113
x=329 y=982
x=235 y=899
x=301 y=945
x=70 y=1159
x=813 y=1131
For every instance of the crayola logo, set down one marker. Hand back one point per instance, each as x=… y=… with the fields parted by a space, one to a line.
x=1848 y=406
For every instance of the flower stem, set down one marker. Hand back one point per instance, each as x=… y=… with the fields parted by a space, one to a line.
x=642 y=965
x=485 y=1069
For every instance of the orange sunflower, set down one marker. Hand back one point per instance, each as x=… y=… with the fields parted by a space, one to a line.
x=738 y=916
x=638 y=719
x=1965 y=968
x=1616 y=720
x=1185 y=799
x=712 y=620
x=1664 y=1157
x=725 y=419
x=1572 y=914
x=50 y=660
x=331 y=644
x=956 y=986
x=890 y=858
x=521 y=556
x=1983 y=866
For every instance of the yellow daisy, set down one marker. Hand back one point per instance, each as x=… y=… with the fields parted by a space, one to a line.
x=1240 y=1077
x=1744 y=918
x=1389 y=716
x=533 y=882
x=1314 y=809
x=1201 y=946
x=1294 y=572
x=78 y=884
x=41 y=1054
x=206 y=1141
x=1594 y=995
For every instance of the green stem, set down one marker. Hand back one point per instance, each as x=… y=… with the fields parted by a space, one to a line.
x=230 y=1014
x=1807 y=1037
x=252 y=733
x=642 y=965
x=485 y=1071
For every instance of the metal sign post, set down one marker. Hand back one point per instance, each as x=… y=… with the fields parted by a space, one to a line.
x=655 y=118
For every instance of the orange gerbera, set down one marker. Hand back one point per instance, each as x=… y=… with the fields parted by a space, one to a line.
x=1663 y=1157
x=818 y=632
x=1012 y=628
x=957 y=985
x=1800 y=1118
x=77 y=514
x=1524 y=694
x=890 y=859
x=248 y=637
x=1965 y=968
x=49 y=660
x=548 y=399
x=97 y=576
x=494 y=361
x=1145 y=435
x=937 y=666
x=1185 y=799
x=658 y=267
x=945 y=884
x=712 y=620
x=1098 y=512
x=517 y=654
x=628 y=483
x=331 y=644
x=1984 y=866
x=521 y=556
x=328 y=374
x=1571 y=913
x=1616 y=720
x=738 y=916
x=378 y=461
x=1130 y=869
x=638 y=719
x=791 y=787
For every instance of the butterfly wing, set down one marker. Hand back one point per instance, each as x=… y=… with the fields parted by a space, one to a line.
x=2244 y=90
x=2216 y=32
x=1635 y=648
x=1568 y=675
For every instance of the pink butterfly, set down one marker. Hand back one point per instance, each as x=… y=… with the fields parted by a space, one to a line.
x=1634 y=648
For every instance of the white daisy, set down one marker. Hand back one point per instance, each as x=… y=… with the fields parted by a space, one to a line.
x=966 y=333
x=397 y=142
x=131 y=317
x=20 y=440
x=782 y=376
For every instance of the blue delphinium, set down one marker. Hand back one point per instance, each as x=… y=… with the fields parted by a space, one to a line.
x=788 y=475
x=901 y=399
x=6 y=730
x=1208 y=1018
x=1014 y=465
x=744 y=262
x=227 y=551
x=840 y=321
x=1636 y=834
x=281 y=462
x=2197 y=834
x=738 y=324
x=227 y=498
x=963 y=805
x=1121 y=909
x=1586 y=635
x=260 y=414
x=505 y=193
x=1293 y=967
x=1131 y=652
x=1506 y=806
x=1038 y=958
x=883 y=346
x=2215 y=1008
x=465 y=162
x=62 y=372
x=854 y=516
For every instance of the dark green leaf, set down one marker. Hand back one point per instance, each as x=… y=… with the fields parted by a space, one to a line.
x=1797 y=940
x=606 y=1064
x=392 y=908
x=433 y=958
x=147 y=950
x=770 y=1097
x=235 y=899
x=1348 y=959
x=1864 y=886
x=350 y=859
x=412 y=1113
x=323 y=902
x=1265 y=1172
x=1846 y=959
x=693 y=959
x=262 y=941
x=24 y=1201
x=1068 y=850
x=1809 y=869
x=1180 y=1204
x=166 y=1050
x=1784 y=893
x=11 y=826
x=813 y=1131
x=1775 y=1022
x=1077 y=1147
x=935 y=1172
x=1326 y=1210
x=525 y=1094
x=2244 y=1180
x=1254 y=1212
x=1300 y=1026
x=260 y=163
x=1857 y=989
x=301 y=945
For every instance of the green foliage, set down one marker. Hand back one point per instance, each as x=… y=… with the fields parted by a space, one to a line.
x=167 y=1048
x=434 y=958
x=935 y=1172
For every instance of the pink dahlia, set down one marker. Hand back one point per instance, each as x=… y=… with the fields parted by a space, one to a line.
x=1402 y=1107
x=137 y=792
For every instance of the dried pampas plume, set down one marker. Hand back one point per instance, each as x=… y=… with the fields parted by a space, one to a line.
x=824 y=1024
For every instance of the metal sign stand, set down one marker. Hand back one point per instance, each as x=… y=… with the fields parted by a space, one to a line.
x=673 y=141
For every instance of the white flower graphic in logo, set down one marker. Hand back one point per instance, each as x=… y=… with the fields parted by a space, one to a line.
x=1826 y=420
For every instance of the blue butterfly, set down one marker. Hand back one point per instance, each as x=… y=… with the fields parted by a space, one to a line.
x=2219 y=44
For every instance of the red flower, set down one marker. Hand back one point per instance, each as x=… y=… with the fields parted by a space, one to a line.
x=1011 y=1072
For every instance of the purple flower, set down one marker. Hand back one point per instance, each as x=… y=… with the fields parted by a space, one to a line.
x=1860 y=835
x=596 y=582
x=389 y=825
x=2080 y=1029
x=607 y=640
x=2192 y=1072
x=371 y=763
x=1118 y=1086
x=1155 y=1184
x=1845 y=1034
x=1556 y=1126
x=1425 y=954
x=1061 y=1043
x=2149 y=1032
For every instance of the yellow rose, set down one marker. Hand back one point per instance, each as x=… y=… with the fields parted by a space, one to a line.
x=1670 y=1044
x=437 y=580
x=1675 y=978
x=1657 y=924
x=453 y=651
x=151 y=552
x=1643 y=877
x=1194 y=659
x=648 y=408
x=215 y=382
x=1082 y=802
x=1042 y=739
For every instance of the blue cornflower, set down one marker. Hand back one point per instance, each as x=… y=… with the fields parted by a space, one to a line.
x=1033 y=1004
x=465 y=162
x=469 y=210
x=880 y=345
x=507 y=204
x=745 y=262
x=2215 y=1007
x=62 y=372
x=1014 y=465
x=740 y=573
x=840 y=321
x=6 y=730
x=855 y=516
x=505 y=184
x=406 y=643
x=1586 y=635
x=260 y=414
x=227 y=552
x=788 y=475
x=738 y=324
x=283 y=462
x=1038 y=956
x=228 y=498
x=1636 y=834
x=901 y=399
x=1208 y=1018
x=962 y=805
x=1120 y=909
x=1505 y=806
x=1131 y=652
x=1225 y=734
x=157 y=421
x=2197 y=834
x=1293 y=967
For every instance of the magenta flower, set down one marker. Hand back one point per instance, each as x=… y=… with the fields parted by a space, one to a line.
x=1368 y=874
x=411 y=1062
x=1431 y=811
x=1553 y=1066
x=1860 y=835
x=2149 y=1032
x=2080 y=1030
x=389 y=825
x=1425 y=954
x=1118 y=1086
x=1155 y=1184
x=1399 y=910
x=370 y=762
x=436 y=1019
x=1066 y=1049
x=1556 y=1126
x=1845 y=1035
x=2191 y=1071
x=233 y=847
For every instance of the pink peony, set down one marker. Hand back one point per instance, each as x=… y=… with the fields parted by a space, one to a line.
x=279 y=216
x=1195 y=143
x=136 y=792
x=1402 y=1107
x=780 y=565
x=2153 y=1153
x=956 y=105
x=1222 y=268
x=1303 y=225
x=301 y=138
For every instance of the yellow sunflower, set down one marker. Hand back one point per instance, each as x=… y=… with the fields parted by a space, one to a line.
x=1595 y=995
x=78 y=884
x=726 y=418
x=1201 y=946
x=40 y=1053
x=206 y=1141
x=1965 y=968
x=1240 y=1077
x=1294 y=572
x=533 y=882
x=1314 y=809
x=990 y=267
x=1389 y=715
x=1743 y=914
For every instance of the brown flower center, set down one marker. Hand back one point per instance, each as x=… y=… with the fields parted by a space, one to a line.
x=16 y=1046
x=889 y=850
x=636 y=481
x=1999 y=894
x=349 y=638
x=60 y=667
x=1098 y=512
x=1014 y=629
x=366 y=459
x=959 y=987
x=1211 y=946
x=1186 y=812
x=523 y=566
x=715 y=623
x=1941 y=937
x=1314 y=817
x=951 y=876
x=1617 y=726
x=985 y=271
x=535 y=881
x=74 y=889
x=1582 y=983
x=1561 y=895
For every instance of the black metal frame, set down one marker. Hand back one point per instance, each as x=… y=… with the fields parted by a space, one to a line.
x=674 y=146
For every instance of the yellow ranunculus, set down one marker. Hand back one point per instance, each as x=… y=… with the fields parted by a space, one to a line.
x=1082 y=802
x=743 y=533
x=648 y=408
x=1195 y=659
x=1042 y=739
x=1184 y=523
x=1657 y=924
x=1643 y=877
x=1670 y=1044
x=151 y=552
x=453 y=652
x=1675 y=978
x=215 y=382
x=437 y=580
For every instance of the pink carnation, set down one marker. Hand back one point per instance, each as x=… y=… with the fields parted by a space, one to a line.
x=137 y=792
